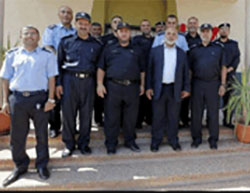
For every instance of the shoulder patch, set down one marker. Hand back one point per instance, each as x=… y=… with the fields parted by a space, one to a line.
x=12 y=50
x=52 y=26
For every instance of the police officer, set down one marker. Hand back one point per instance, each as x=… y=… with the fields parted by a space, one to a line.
x=51 y=38
x=77 y=56
x=145 y=42
x=159 y=27
x=112 y=37
x=192 y=38
x=96 y=29
x=171 y=21
x=208 y=67
x=233 y=59
x=122 y=65
x=28 y=73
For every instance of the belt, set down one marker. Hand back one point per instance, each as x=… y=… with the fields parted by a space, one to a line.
x=29 y=93
x=124 y=82
x=168 y=84
x=79 y=74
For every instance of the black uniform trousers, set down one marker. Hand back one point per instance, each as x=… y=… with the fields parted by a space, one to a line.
x=225 y=102
x=22 y=109
x=165 y=116
x=98 y=109
x=184 y=112
x=145 y=110
x=205 y=93
x=78 y=95
x=120 y=98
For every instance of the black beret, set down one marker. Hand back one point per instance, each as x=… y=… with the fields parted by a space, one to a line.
x=224 y=25
x=206 y=26
x=160 y=23
x=123 y=25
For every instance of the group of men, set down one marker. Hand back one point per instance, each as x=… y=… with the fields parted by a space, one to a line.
x=126 y=80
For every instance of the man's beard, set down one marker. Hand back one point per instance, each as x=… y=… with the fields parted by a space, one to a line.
x=223 y=36
x=168 y=42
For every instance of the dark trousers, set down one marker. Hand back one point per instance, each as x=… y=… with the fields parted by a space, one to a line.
x=225 y=102
x=165 y=116
x=125 y=99
x=205 y=93
x=22 y=109
x=55 y=118
x=185 y=104
x=98 y=109
x=78 y=95
x=145 y=110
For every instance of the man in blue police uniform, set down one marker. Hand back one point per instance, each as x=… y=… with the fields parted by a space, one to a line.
x=122 y=65
x=233 y=59
x=168 y=82
x=28 y=73
x=77 y=57
x=192 y=38
x=112 y=37
x=171 y=21
x=208 y=68
x=160 y=27
x=144 y=41
x=51 y=38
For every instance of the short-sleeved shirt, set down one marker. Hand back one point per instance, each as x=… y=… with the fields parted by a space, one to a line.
x=78 y=55
x=54 y=33
x=29 y=71
x=206 y=62
x=180 y=42
x=123 y=63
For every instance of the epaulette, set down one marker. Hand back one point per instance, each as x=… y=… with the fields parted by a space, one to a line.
x=12 y=50
x=68 y=36
x=180 y=33
x=218 y=44
x=46 y=50
x=161 y=33
x=193 y=46
x=97 y=40
x=52 y=26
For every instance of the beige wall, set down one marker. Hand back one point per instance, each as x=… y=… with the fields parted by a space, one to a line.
x=216 y=12
x=39 y=13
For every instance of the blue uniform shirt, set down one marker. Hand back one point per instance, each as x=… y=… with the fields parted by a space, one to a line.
x=124 y=63
x=180 y=42
x=54 y=33
x=29 y=71
x=206 y=62
x=78 y=55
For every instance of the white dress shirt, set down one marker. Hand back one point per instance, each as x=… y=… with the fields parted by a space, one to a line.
x=170 y=60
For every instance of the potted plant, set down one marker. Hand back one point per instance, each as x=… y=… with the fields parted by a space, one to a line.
x=239 y=103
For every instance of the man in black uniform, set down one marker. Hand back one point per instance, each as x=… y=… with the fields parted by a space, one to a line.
x=192 y=38
x=77 y=57
x=122 y=65
x=160 y=26
x=112 y=37
x=233 y=59
x=145 y=42
x=208 y=68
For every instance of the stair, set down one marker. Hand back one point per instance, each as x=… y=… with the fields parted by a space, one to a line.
x=165 y=170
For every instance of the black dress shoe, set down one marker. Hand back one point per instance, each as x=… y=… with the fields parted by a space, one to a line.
x=14 y=176
x=195 y=144
x=111 y=151
x=134 y=147
x=43 y=173
x=176 y=147
x=67 y=152
x=154 y=148
x=213 y=145
x=86 y=150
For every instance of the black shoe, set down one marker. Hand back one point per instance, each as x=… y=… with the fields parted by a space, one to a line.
x=53 y=133
x=134 y=147
x=230 y=125
x=195 y=144
x=176 y=147
x=43 y=173
x=213 y=145
x=154 y=148
x=67 y=152
x=139 y=126
x=14 y=176
x=86 y=150
x=111 y=151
